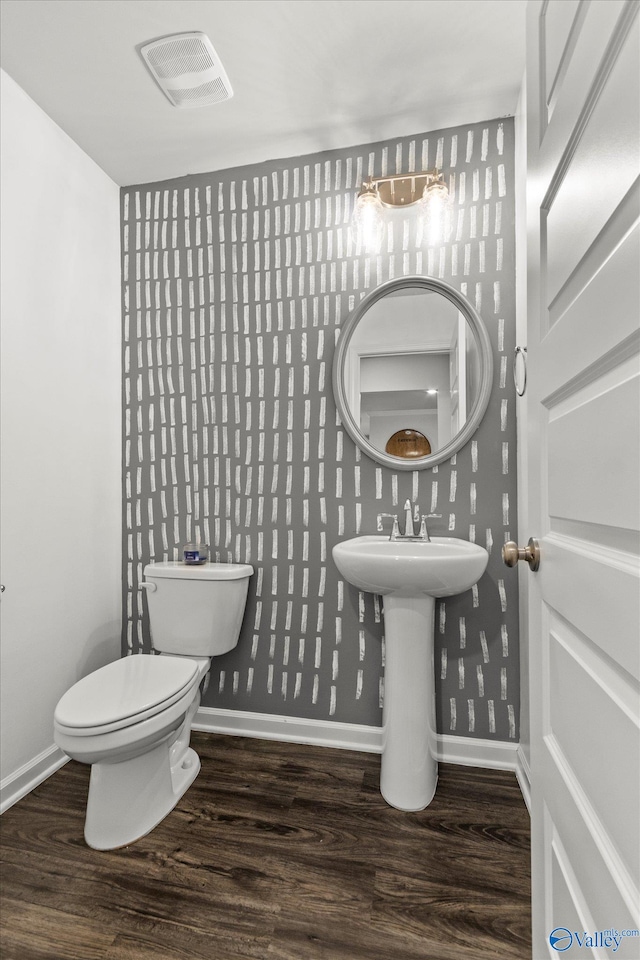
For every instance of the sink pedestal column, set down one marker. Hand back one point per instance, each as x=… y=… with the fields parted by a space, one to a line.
x=409 y=770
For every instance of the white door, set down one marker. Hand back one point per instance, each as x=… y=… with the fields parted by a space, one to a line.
x=584 y=468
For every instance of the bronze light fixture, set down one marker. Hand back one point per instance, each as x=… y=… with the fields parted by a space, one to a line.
x=426 y=191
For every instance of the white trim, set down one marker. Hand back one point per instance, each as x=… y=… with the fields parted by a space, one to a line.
x=523 y=773
x=471 y=752
x=494 y=754
x=266 y=726
x=17 y=785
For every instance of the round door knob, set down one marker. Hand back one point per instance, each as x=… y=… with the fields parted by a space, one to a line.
x=511 y=553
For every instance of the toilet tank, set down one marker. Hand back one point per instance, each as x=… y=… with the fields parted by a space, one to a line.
x=196 y=610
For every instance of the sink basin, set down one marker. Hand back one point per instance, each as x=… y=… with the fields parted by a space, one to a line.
x=440 y=567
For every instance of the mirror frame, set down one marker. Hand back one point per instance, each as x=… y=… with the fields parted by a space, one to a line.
x=486 y=372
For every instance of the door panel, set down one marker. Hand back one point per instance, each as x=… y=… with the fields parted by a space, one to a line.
x=571 y=889
x=595 y=460
x=583 y=61
x=565 y=893
x=595 y=178
x=560 y=26
x=603 y=887
x=601 y=280
x=584 y=497
x=601 y=700
x=607 y=594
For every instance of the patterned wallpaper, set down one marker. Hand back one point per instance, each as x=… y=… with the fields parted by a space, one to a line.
x=235 y=287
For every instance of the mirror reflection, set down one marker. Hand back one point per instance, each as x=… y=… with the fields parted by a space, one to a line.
x=412 y=373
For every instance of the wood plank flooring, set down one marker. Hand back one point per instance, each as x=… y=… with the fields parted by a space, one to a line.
x=277 y=852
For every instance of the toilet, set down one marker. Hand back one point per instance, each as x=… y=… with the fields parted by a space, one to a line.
x=131 y=719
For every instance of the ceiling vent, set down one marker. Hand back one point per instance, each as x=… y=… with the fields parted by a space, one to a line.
x=187 y=69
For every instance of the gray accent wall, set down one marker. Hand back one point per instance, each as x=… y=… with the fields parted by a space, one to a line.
x=235 y=287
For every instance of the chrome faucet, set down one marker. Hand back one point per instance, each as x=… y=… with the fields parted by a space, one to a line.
x=409 y=519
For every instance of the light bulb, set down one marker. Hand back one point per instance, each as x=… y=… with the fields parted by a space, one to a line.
x=368 y=219
x=435 y=200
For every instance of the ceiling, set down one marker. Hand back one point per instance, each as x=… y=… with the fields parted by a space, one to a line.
x=307 y=75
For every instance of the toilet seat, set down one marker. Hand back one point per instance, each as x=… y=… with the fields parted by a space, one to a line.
x=124 y=693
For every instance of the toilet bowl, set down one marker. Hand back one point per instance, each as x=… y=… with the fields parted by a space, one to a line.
x=131 y=720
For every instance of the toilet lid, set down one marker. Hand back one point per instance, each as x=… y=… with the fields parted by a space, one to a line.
x=125 y=688
x=176 y=570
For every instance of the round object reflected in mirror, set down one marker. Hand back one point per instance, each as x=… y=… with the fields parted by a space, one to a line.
x=408 y=444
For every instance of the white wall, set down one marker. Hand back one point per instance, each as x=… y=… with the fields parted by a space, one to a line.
x=61 y=498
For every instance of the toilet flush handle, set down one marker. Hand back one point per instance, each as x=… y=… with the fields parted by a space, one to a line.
x=151 y=587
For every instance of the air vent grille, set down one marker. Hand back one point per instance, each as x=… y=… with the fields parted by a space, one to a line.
x=212 y=92
x=180 y=56
x=187 y=69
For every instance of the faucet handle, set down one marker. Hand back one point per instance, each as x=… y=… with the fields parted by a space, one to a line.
x=424 y=534
x=395 y=529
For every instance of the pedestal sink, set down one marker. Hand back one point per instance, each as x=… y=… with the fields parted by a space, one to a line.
x=409 y=575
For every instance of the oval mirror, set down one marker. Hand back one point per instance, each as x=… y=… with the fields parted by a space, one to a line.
x=412 y=373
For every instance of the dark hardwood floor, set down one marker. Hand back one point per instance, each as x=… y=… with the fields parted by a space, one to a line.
x=279 y=851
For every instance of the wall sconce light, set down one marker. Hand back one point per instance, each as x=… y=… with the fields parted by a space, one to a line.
x=426 y=191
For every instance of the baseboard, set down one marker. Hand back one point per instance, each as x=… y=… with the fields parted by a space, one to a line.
x=266 y=726
x=523 y=773
x=472 y=752
x=495 y=754
x=30 y=775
